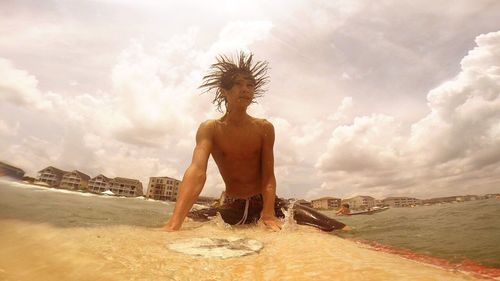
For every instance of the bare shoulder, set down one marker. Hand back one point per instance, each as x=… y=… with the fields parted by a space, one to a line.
x=264 y=124
x=206 y=129
x=266 y=128
x=207 y=126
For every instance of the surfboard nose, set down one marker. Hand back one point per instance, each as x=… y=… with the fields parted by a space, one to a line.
x=304 y=215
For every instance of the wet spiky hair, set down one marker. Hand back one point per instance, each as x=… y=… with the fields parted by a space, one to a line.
x=223 y=73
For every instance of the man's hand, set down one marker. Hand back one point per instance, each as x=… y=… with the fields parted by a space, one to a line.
x=272 y=222
x=171 y=226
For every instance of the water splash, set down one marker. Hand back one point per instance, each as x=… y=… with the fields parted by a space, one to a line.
x=219 y=222
x=289 y=223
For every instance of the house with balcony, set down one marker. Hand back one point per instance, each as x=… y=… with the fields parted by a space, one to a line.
x=99 y=184
x=52 y=176
x=74 y=180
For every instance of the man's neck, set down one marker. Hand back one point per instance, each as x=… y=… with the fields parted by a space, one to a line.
x=236 y=117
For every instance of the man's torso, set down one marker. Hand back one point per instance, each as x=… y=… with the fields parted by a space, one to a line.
x=237 y=153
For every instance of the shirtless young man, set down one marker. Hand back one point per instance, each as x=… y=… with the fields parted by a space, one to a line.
x=344 y=210
x=242 y=147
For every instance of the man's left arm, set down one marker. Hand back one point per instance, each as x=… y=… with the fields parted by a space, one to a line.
x=268 y=216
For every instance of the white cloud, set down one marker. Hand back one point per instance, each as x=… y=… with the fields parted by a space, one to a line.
x=239 y=35
x=465 y=111
x=343 y=111
x=370 y=143
x=31 y=152
x=19 y=87
x=150 y=101
x=285 y=154
x=99 y=94
x=456 y=146
x=144 y=126
x=308 y=134
x=8 y=131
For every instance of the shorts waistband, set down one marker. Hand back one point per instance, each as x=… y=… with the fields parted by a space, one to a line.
x=254 y=198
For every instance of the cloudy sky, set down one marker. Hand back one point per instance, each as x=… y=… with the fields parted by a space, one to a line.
x=380 y=98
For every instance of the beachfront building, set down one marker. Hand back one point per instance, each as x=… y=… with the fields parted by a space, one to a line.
x=223 y=199
x=7 y=170
x=438 y=200
x=360 y=202
x=205 y=200
x=304 y=203
x=401 y=202
x=99 y=184
x=74 y=180
x=326 y=203
x=125 y=187
x=51 y=176
x=163 y=188
x=450 y=199
x=492 y=195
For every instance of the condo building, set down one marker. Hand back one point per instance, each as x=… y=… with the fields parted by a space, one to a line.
x=163 y=188
x=51 y=176
x=450 y=199
x=74 y=180
x=205 y=200
x=360 y=202
x=379 y=203
x=304 y=203
x=326 y=203
x=99 y=184
x=399 y=202
x=125 y=187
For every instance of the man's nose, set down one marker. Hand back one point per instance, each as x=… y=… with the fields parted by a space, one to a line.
x=248 y=88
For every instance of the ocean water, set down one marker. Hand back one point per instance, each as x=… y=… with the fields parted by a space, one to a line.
x=63 y=208
x=454 y=231
x=48 y=234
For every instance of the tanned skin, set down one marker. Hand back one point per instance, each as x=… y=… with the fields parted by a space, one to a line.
x=242 y=147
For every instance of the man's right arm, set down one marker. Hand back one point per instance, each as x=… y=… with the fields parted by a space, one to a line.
x=194 y=177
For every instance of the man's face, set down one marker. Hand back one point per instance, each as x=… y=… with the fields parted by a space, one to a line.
x=242 y=92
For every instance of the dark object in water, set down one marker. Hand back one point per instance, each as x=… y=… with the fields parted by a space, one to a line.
x=368 y=212
x=308 y=216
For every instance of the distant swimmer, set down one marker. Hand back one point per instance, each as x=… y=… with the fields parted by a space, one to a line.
x=344 y=209
x=242 y=148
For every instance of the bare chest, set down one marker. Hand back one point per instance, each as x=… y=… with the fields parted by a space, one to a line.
x=237 y=143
